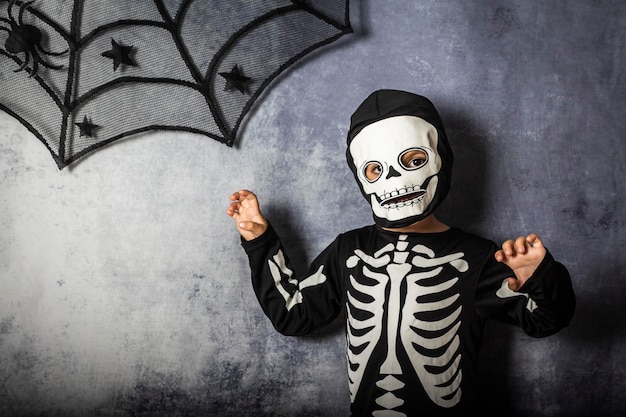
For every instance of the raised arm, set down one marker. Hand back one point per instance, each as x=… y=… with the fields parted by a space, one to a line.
x=523 y=256
x=296 y=304
x=244 y=209
x=533 y=291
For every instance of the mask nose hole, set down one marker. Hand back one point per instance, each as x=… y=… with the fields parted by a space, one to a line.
x=392 y=173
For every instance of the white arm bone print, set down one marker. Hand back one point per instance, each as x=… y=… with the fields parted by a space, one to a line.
x=278 y=268
x=365 y=334
x=506 y=292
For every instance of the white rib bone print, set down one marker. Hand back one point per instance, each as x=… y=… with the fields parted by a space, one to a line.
x=387 y=269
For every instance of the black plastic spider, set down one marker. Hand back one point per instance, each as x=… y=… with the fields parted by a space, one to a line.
x=26 y=39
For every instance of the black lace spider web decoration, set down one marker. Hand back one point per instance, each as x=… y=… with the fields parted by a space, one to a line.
x=82 y=74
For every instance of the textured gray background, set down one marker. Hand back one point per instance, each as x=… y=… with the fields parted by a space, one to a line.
x=123 y=289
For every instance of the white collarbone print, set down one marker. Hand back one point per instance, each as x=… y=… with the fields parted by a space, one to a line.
x=388 y=303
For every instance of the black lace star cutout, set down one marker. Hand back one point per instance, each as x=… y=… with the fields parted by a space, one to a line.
x=235 y=79
x=120 y=54
x=86 y=127
x=165 y=55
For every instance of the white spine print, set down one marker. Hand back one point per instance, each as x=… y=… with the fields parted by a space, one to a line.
x=438 y=372
x=442 y=386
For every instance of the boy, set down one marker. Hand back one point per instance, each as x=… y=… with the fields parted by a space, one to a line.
x=417 y=291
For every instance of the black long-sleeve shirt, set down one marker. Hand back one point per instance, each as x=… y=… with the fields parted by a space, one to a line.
x=416 y=307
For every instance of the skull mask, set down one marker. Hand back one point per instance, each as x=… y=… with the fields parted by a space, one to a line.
x=400 y=156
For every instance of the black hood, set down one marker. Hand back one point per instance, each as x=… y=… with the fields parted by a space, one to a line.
x=383 y=104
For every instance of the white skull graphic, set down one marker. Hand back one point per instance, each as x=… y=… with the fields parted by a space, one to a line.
x=397 y=165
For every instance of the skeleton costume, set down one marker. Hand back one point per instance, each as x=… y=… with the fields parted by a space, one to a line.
x=416 y=302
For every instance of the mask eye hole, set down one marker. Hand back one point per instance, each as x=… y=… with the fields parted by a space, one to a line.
x=372 y=170
x=413 y=158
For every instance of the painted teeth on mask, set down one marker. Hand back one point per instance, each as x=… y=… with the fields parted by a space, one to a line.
x=402 y=197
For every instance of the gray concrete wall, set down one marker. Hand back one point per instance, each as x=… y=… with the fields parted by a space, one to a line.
x=123 y=289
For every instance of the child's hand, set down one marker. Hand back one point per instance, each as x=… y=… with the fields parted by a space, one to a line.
x=244 y=208
x=523 y=256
